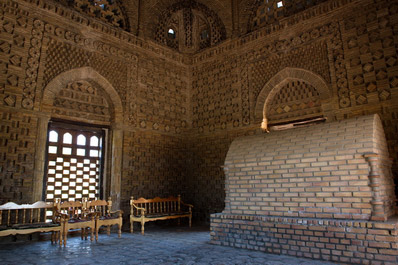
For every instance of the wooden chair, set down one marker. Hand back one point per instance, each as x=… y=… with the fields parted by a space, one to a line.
x=104 y=216
x=78 y=218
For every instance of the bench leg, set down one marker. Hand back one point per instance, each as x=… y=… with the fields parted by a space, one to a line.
x=142 y=227
x=96 y=233
x=131 y=226
x=108 y=230
x=190 y=221
x=65 y=237
x=60 y=237
x=55 y=237
x=91 y=233
x=119 y=233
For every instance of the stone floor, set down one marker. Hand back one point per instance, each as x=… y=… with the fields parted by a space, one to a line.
x=160 y=245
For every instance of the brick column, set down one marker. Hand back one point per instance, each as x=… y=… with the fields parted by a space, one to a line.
x=378 y=213
x=116 y=170
x=40 y=158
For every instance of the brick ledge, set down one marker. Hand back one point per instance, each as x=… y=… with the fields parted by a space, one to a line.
x=392 y=223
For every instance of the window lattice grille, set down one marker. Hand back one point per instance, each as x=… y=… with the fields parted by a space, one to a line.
x=74 y=164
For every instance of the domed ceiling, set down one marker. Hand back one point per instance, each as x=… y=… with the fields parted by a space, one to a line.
x=190 y=25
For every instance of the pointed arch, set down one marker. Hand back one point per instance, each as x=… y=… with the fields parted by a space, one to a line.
x=84 y=73
x=116 y=133
x=286 y=75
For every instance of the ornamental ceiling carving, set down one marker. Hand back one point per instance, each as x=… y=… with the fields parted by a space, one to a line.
x=150 y=18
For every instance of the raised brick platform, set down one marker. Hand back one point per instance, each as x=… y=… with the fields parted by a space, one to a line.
x=358 y=242
x=324 y=192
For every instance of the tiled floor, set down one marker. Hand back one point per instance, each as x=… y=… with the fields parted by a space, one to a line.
x=160 y=245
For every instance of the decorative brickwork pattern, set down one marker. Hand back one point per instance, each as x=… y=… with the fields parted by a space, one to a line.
x=264 y=69
x=14 y=28
x=62 y=57
x=216 y=90
x=33 y=65
x=283 y=78
x=162 y=97
x=163 y=108
x=272 y=11
x=153 y=165
x=295 y=100
x=108 y=11
x=371 y=50
x=219 y=107
x=17 y=150
x=82 y=99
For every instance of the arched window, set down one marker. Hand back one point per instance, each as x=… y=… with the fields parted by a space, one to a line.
x=204 y=35
x=81 y=140
x=94 y=141
x=53 y=137
x=67 y=138
x=171 y=33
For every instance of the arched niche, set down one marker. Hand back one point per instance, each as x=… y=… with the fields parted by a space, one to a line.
x=281 y=80
x=85 y=80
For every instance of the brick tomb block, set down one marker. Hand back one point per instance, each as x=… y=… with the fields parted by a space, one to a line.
x=323 y=191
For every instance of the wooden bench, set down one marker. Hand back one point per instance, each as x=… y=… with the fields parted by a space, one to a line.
x=104 y=216
x=146 y=210
x=31 y=218
x=77 y=217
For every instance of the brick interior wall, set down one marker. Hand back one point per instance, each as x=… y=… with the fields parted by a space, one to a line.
x=153 y=166
x=336 y=46
x=190 y=107
x=17 y=142
x=37 y=45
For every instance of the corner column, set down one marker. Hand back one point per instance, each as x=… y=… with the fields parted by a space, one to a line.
x=378 y=213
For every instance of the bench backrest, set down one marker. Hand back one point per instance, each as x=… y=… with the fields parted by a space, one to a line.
x=74 y=209
x=156 y=205
x=100 y=206
x=12 y=213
